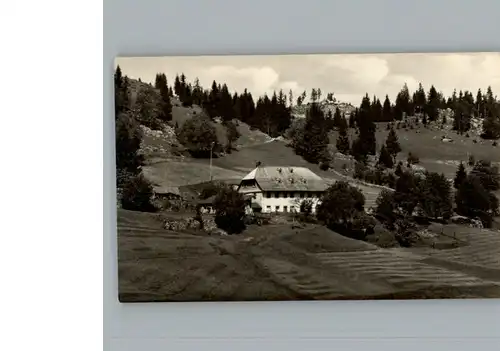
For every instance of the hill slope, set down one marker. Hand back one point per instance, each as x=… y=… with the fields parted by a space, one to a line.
x=277 y=263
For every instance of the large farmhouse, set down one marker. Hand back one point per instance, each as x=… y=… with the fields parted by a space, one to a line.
x=282 y=189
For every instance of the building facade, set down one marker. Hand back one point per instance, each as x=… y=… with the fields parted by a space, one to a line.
x=282 y=189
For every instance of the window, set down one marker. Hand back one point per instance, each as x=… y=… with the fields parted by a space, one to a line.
x=301 y=195
x=277 y=208
x=276 y=195
x=268 y=195
x=292 y=208
x=268 y=208
x=285 y=208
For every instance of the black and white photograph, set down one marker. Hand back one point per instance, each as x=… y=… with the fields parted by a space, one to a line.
x=308 y=177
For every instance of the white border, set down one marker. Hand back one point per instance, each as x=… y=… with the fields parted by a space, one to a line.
x=52 y=214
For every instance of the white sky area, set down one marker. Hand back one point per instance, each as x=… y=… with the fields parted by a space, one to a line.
x=348 y=76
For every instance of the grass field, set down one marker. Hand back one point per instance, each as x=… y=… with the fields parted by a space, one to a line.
x=276 y=262
x=435 y=155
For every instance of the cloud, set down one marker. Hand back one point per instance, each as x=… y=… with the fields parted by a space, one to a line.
x=258 y=80
x=350 y=77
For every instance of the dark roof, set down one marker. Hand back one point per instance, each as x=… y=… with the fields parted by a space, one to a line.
x=207 y=201
x=167 y=190
x=287 y=179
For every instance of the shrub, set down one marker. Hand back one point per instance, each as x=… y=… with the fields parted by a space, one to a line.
x=471 y=161
x=306 y=207
x=324 y=165
x=137 y=194
x=405 y=233
x=199 y=136
x=412 y=159
x=230 y=210
x=340 y=204
x=385 y=207
x=359 y=170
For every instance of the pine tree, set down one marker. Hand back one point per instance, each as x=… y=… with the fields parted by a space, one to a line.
x=177 y=86
x=392 y=144
x=366 y=127
x=165 y=113
x=314 y=95
x=433 y=103
x=399 y=169
x=376 y=110
x=387 y=110
x=385 y=158
x=460 y=176
x=358 y=152
x=435 y=196
x=121 y=92
x=403 y=104
x=352 y=119
x=337 y=118
x=343 y=140
x=420 y=98
x=314 y=141
x=128 y=142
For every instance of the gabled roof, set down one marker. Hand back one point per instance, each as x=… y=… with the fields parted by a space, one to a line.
x=167 y=190
x=286 y=179
x=207 y=201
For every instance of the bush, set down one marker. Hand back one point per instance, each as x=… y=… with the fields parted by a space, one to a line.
x=137 y=194
x=405 y=233
x=471 y=161
x=340 y=204
x=306 y=207
x=324 y=166
x=199 y=136
x=412 y=159
x=230 y=210
x=385 y=207
x=359 y=170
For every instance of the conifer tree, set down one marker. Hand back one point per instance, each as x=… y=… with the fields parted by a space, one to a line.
x=165 y=113
x=121 y=92
x=403 y=103
x=399 y=169
x=177 y=86
x=387 y=110
x=420 y=98
x=433 y=103
x=435 y=196
x=342 y=139
x=366 y=127
x=337 y=118
x=460 y=176
x=392 y=144
x=385 y=158
x=314 y=145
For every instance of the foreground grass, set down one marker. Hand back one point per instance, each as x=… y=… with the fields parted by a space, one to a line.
x=278 y=262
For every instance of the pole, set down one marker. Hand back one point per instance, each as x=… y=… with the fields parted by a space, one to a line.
x=211 y=148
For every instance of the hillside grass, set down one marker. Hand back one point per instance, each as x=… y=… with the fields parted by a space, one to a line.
x=435 y=155
x=278 y=262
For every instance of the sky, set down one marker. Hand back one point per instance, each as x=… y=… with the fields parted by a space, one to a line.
x=348 y=76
